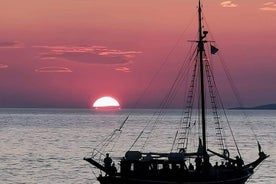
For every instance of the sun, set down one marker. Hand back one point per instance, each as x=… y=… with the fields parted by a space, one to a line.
x=106 y=102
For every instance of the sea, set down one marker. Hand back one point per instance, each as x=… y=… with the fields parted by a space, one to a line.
x=48 y=145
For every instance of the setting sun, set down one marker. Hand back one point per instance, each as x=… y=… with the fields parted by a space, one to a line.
x=106 y=102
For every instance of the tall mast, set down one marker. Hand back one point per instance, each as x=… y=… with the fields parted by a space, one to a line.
x=201 y=36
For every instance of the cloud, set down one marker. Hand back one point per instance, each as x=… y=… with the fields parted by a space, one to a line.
x=228 y=4
x=123 y=69
x=53 y=69
x=10 y=45
x=3 y=66
x=269 y=6
x=88 y=54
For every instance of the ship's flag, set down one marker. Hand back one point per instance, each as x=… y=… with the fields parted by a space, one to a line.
x=214 y=50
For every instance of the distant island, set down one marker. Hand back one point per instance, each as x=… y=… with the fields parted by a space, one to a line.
x=261 y=107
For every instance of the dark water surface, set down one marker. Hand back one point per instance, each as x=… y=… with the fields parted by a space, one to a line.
x=48 y=145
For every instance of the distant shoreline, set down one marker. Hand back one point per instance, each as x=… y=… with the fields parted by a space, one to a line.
x=260 y=107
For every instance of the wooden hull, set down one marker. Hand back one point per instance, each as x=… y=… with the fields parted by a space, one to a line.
x=141 y=181
x=241 y=179
x=178 y=175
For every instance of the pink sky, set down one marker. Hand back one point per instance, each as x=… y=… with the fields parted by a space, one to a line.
x=68 y=53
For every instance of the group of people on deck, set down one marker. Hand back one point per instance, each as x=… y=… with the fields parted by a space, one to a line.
x=200 y=165
x=109 y=165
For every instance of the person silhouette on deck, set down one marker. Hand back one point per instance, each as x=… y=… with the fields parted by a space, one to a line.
x=113 y=169
x=198 y=161
x=239 y=162
x=107 y=162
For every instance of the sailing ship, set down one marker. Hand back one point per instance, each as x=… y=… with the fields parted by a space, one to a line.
x=137 y=167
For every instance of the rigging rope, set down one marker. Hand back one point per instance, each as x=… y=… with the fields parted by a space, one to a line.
x=214 y=105
x=173 y=91
x=236 y=93
x=164 y=63
x=232 y=85
x=228 y=122
x=168 y=98
x=185 y=122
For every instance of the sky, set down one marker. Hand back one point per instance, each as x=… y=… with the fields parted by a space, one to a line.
x=68 y=53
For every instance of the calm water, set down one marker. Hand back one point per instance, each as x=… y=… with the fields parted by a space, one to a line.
x=48 y=145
